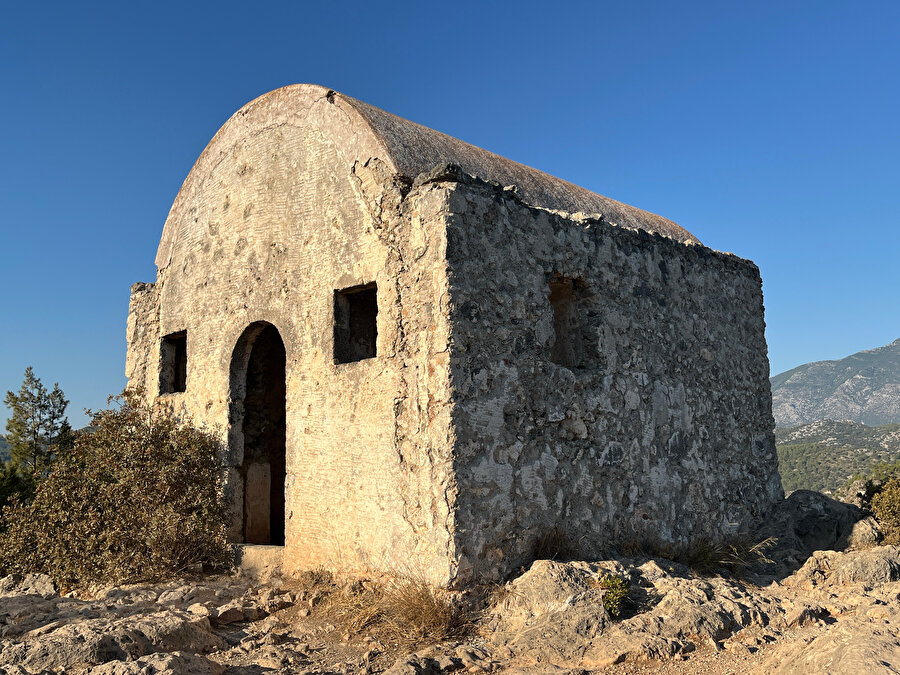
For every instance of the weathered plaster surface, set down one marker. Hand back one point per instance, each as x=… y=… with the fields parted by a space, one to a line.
x=278 y=223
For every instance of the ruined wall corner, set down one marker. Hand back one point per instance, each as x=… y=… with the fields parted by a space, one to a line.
x=142 y=336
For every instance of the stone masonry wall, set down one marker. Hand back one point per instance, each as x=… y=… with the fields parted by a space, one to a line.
x=653 y=425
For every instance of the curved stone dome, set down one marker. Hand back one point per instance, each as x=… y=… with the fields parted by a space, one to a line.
x=362 y=132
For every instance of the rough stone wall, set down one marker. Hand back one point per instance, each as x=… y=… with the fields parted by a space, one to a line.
x=267 y=234
x=142 y=335
x=657 y=427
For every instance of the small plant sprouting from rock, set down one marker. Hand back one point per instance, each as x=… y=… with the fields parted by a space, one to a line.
x=616 y=592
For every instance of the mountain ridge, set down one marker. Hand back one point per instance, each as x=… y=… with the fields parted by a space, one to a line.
x=862 y=387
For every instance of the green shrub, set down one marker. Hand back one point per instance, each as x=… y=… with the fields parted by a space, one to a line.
x=616 y=592
x=886 y=507
x=139 y=498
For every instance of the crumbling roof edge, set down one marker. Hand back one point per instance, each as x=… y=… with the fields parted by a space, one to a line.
x=453 y=173
x=416 y=149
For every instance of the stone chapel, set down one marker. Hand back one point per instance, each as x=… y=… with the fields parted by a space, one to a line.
x=423 y=357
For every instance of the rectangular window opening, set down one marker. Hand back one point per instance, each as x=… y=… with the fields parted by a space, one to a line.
x=568 y=344
x=173 y=363
x=355 y=326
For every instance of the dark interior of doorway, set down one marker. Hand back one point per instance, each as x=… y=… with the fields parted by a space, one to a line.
x=264 y=429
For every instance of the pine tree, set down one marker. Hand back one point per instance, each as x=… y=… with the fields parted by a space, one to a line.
x=38 y=430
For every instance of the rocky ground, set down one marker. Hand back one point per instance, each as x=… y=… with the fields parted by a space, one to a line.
x=809 y=610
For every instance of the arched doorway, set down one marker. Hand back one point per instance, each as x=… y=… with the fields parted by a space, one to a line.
x=257 y=434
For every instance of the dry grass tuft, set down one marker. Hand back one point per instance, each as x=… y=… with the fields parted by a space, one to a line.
x=734 y=555
x=403 y=612
x=414 y=608
x=706 y=557
x=551 y=545
x=491 y=595
x=315 y=579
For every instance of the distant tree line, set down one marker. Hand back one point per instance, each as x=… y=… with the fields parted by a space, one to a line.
x=825 y=455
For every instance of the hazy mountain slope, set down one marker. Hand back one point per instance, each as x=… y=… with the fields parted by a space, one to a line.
x=864 y=387
x=4 y=449
x=825 y=454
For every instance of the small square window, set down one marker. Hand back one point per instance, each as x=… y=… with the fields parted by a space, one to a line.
x=355 y=326
x=568 y=344
x=173 y=363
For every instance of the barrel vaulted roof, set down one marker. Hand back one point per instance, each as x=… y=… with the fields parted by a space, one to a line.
x=364 y=132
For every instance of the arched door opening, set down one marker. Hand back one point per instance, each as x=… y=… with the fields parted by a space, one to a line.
x=259 y=426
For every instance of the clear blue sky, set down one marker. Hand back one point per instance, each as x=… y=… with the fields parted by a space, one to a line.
x=769 y=129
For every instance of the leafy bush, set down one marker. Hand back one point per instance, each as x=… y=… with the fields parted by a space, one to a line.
x=139 y=498
x=616 y=592
x=886 y=507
